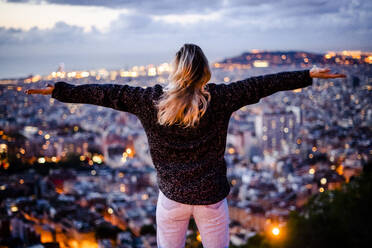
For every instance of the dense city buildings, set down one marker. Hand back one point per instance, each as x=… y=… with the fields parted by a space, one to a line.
x=79 y=175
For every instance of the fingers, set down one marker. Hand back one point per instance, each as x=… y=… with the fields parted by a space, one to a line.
x=337 y=75
x=325 y=70
x=33 y=91
x=324 y=73
x=45 y=91
x=36 y=91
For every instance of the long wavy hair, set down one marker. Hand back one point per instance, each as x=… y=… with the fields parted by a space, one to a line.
x=185 y=99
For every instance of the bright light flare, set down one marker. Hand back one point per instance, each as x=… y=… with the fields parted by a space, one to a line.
x=275 y=231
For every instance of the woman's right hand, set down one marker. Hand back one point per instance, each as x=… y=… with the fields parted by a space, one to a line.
x=46 y=91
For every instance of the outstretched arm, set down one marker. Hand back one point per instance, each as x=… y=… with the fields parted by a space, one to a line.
x=121 y=97
x=251 y=90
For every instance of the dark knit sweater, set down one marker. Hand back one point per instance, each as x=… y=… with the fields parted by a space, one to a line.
x=189 y=162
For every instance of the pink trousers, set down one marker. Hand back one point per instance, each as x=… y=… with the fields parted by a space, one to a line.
x=172 y=220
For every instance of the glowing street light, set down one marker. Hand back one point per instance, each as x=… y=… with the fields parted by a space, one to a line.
x=41 y=160
x=275 y=231
x=323 y=180
x=198 y=237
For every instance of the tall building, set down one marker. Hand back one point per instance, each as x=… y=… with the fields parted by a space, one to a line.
x=278 y=130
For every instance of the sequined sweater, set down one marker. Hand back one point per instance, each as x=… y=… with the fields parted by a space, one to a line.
x=189 y=162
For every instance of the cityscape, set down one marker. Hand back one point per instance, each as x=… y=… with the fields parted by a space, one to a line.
x=79 y=175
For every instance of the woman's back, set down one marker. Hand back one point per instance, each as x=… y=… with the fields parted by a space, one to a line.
x=190 y=161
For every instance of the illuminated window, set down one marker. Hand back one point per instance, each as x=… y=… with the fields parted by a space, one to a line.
x=273 y=124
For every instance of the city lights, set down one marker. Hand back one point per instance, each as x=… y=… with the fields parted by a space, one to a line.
x=323 y=180
x=198 y=237
x=152 y=72
x=260 y=63
x=122 y=188
x=97 y=159
x=340 y=169
x=231 y=150
x=41 y=160
x=3 y=148
x=14 y=208
x=267 y=149
x=275 y=231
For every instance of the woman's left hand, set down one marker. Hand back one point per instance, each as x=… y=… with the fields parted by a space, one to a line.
x=324 y=73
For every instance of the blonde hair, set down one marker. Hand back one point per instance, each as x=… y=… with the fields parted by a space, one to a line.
x=185 y=100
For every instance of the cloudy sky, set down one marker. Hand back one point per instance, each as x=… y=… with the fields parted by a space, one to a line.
x=37 y=35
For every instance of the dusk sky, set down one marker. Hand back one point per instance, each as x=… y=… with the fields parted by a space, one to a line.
x=35 y=36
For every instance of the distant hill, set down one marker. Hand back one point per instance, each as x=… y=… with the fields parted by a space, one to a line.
x=257 y=58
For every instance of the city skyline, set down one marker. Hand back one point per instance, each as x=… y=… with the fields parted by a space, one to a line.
x=91 y=35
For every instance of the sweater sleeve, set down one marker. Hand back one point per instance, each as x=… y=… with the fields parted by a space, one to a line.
x=121 y=97
x=251 y=90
